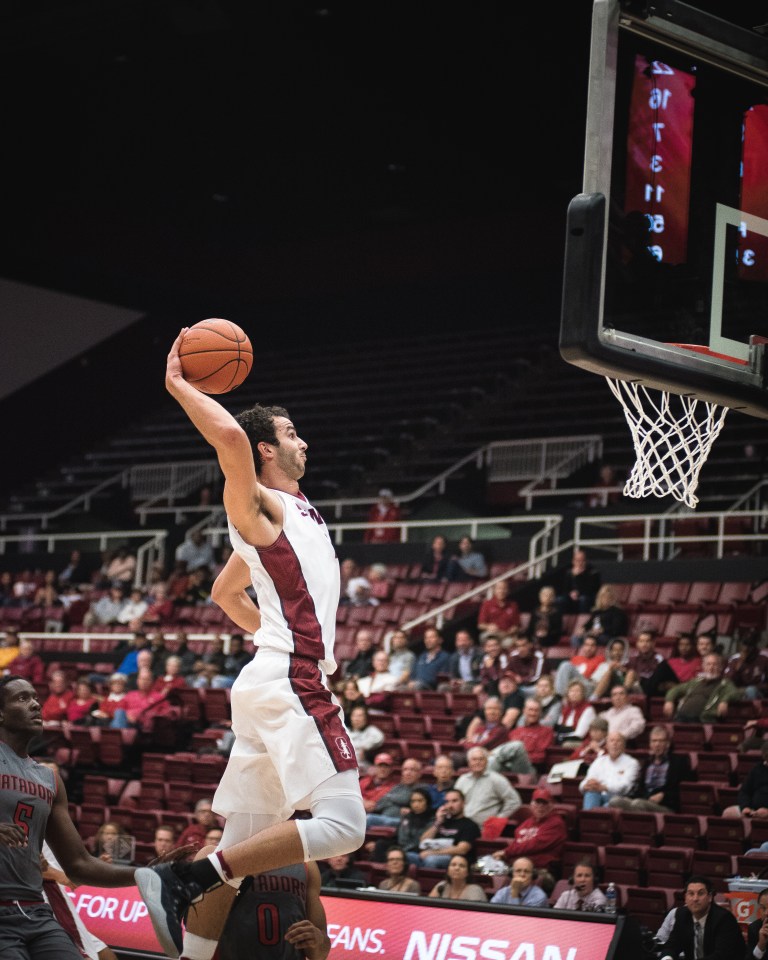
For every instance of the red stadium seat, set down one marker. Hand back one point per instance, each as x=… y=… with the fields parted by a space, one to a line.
x=649 y=905
x=598 y=826
x=666 y=865
x=717 y=865
x=698 y=798
x=640 y=827
x=727 y=834
x=410 y=725
x=625 y=863
x=680 y=829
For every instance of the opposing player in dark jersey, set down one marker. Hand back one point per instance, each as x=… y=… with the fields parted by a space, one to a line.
x=33 y=808
x=278 y=915
x=291 y=750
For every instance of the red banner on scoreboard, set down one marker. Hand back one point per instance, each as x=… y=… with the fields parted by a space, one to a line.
x=403 y=930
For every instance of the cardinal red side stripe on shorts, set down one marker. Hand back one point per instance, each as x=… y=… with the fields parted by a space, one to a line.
x=282 y=565
x=316 y=701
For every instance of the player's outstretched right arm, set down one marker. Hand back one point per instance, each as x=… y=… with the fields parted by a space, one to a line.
x=215 y=423
x=255 y=512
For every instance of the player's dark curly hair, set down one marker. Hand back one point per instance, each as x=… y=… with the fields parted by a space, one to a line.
x=4 y=681
x=259 y=426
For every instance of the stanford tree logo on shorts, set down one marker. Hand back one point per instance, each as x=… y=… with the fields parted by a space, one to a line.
x=343 y=747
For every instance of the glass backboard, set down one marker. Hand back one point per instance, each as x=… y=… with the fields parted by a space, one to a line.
x=666 y=274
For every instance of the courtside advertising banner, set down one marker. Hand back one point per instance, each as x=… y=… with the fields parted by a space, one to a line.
x=360 y=928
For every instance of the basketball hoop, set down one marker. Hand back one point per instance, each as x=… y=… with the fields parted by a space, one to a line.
x=672 y=435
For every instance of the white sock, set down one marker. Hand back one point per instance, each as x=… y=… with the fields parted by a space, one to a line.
x=197 y=948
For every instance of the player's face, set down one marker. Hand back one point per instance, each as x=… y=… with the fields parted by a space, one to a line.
x=291 y=452
x=21 y=711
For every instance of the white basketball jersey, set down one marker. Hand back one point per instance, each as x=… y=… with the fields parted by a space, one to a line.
x=297 y=584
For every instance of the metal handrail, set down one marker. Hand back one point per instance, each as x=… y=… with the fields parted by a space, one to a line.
x=752 y=495
x=83 y=499
x=549 y=523
x=151 y=549
x=602 y=493
x=666 y=539
x=437 y=614
x=482 y=456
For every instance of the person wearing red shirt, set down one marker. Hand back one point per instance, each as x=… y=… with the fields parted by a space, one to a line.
x=593 y=745
x=385 y=510
x=541 y=836
x=380 y=782
x=172 y=678
x=487 y=730
x=576 y=715
x=526 y=747
x=587 y=666
x=499 y=614
x=113 y=701
x=59 y=695
x=83 y=703
x=493 y=665
x=142 y=705
x=160 y=609
x=643 y=664
x=27 y=664
x=205 y=819
x=531 y=732
x=685 y=663
x=526 y=665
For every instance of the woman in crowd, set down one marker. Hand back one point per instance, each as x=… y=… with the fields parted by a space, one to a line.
x=593 y=746
x=606 y=619
x=545 y=627
x=366 y=737
x=350 y=697
x=419 y=818
x=435 y=562
x=456 y=885
x=118 y=687
x=397 y=879
x=47 y=594
x=111 y=843
x=551 y=703
x=576 y=715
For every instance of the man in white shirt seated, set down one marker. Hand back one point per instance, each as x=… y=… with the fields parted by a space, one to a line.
x=613 y=774
x=583 y=895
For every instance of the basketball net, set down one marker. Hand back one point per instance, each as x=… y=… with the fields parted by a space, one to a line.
x=672 y=436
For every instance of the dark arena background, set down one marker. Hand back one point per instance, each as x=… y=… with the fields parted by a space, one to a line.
x=377 y=195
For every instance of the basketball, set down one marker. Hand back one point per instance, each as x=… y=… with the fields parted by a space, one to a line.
x=216 y=356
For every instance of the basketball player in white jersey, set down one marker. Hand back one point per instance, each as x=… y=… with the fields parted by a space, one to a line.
x=291 y=749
